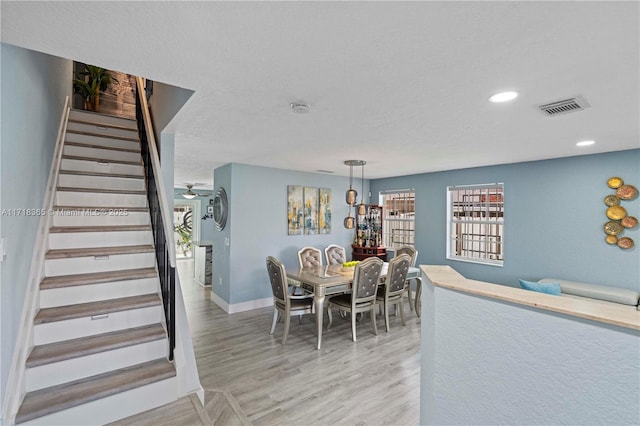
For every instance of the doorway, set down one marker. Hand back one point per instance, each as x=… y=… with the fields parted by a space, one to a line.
x=186 y=227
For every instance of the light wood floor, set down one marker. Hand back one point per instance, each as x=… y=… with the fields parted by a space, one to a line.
x=374 y=381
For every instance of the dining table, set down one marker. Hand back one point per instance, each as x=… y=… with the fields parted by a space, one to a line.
x=325 y=281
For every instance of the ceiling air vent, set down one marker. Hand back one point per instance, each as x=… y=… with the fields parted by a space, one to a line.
x=564 y=107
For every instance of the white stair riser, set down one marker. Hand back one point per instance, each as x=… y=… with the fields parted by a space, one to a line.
x=103 y=141
x=114 y=407
x=97 y=217
x=103 y=130
x=59 y=331
x=63 y=296
x=90 y=199
x=100 y=182
x=101 y=167
x=85 y=265
x=101 y=119
x=107 y=154
x=77 y=368
x=62 y=240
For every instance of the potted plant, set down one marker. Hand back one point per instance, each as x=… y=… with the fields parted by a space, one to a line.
x=89 y=82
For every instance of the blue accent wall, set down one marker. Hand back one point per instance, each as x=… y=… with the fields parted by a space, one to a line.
x=257 y=227
x=554 y=217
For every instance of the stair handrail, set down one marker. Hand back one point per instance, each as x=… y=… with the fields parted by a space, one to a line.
x=15 y=391
x=167 y=219
x=161 y=220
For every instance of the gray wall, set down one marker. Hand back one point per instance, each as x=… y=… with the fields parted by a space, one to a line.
x=34 y=87
x=165 y=102
x=257 y=227
x=554 y=213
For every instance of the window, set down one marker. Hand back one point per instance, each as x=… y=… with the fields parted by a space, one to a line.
x=398 y=208
x=475 y=223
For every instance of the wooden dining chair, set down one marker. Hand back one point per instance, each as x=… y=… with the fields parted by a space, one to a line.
x=335 y=254
x=392 y=293
x=362 y=298
x=413 y=254
x=284 y=303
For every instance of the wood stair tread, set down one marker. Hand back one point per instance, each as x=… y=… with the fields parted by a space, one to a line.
x=100 y=160
x=85 y=112
x=102 y=135
x=106 y=148
x=100 y=190
x=98 y=251
x=101 y=174
x=96 y=278
x=81 y=310
x=109 y=125
x=109 y=228
x=75 y=348
x=57 y=398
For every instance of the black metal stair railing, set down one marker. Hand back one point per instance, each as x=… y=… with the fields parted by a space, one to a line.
x=165 y=256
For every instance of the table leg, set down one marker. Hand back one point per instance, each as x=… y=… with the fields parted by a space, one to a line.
x=318 y=300
x=418 y=295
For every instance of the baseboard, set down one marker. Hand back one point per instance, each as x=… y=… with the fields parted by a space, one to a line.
x=241 y=307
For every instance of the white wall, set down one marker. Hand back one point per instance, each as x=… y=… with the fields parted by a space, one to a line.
x=34 y=87
x=489 y=362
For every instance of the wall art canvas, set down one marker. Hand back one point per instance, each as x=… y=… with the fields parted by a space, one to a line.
x=295 y=211
x=310 y=210
x=324 y=211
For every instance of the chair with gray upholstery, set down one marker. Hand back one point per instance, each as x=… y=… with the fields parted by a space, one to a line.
x=392 y=293
x=413 y=254
x=362 y=298
x=309 y=257
x=335 y=255
x=283 y=302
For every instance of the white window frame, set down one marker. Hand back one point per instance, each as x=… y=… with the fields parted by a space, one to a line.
x=483 y=217
x=405 y=220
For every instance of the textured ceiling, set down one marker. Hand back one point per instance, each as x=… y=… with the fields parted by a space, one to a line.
x=402 y=85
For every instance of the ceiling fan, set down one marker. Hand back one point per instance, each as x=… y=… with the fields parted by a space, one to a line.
x=189 y=194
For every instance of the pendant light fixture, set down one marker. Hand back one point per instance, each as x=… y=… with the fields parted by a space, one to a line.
x=351 y=197
x=362 y=209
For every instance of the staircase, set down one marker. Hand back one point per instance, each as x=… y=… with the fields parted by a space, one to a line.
x=100 y=345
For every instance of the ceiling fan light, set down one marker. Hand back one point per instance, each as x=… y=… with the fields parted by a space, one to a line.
x=188 y=195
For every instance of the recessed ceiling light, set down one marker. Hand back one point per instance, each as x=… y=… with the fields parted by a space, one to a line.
x=503 y=97
x=585 y=143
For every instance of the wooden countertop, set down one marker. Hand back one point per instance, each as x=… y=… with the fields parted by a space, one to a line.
x=611 y=313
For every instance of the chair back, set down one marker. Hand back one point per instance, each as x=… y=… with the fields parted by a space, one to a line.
x=409 y=250
x=335 y=255
x=396 y=279
x=309 y=257
x=366 y=278
x=278 y=279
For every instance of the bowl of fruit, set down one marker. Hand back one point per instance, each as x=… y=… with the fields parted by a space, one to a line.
x=350 y=264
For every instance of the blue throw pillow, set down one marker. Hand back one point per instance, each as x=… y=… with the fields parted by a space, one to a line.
x=549 y=288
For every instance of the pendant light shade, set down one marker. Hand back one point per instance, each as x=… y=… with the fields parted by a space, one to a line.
x=349 y=222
